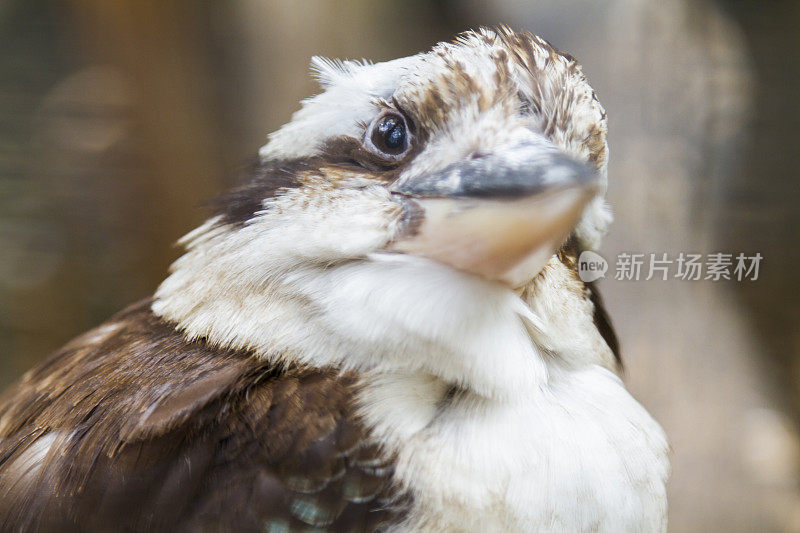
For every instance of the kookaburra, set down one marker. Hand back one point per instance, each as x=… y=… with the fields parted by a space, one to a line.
x=383 y=328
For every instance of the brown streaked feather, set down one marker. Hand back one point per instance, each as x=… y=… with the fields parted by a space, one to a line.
x=151 y=432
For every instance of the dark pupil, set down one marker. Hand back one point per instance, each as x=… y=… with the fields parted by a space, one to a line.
x=392 y=132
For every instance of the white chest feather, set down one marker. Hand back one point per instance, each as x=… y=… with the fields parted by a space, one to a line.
x=578 y=454
x=543 y=436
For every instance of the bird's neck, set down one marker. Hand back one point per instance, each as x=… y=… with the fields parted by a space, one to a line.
x=387 y=314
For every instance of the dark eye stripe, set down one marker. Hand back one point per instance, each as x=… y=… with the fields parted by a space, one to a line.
x=258 y=181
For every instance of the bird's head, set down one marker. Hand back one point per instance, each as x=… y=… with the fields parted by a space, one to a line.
x=404 y=189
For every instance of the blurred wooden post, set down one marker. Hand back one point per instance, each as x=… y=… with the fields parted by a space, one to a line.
x=170 y=163
x=159 y=46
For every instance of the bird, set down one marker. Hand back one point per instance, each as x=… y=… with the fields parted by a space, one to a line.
x=381 y=328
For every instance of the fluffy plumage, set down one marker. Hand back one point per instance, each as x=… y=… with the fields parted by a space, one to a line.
x=131 y=428
x=299 y=366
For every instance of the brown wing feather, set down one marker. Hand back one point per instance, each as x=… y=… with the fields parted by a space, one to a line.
x=130 y=427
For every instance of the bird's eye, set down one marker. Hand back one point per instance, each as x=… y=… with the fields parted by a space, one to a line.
x=388 y=135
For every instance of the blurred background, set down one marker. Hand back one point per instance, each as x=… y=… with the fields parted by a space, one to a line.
x=118 y=120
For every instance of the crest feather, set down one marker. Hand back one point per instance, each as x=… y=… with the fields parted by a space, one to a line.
x=330 y=71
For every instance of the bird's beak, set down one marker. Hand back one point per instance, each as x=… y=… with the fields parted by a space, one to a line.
x=500 y=215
